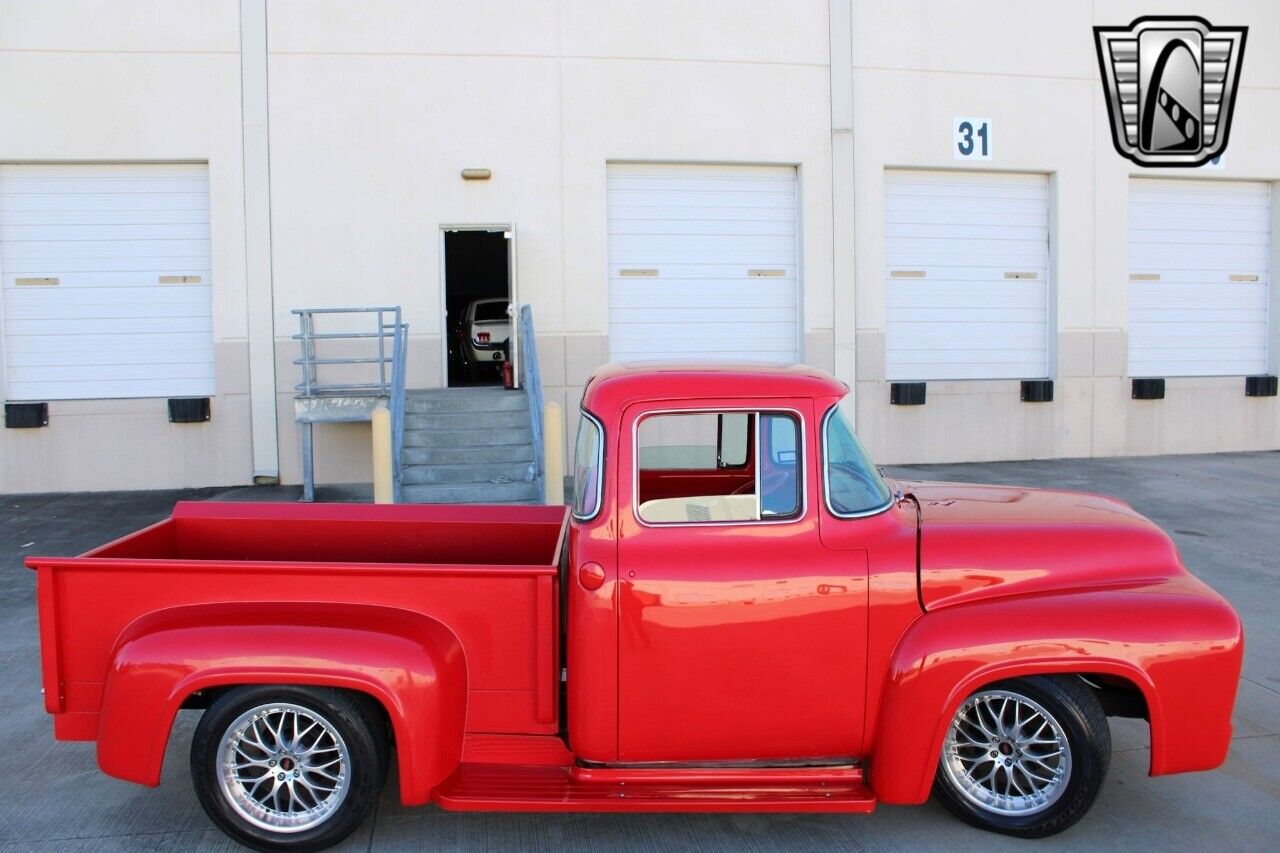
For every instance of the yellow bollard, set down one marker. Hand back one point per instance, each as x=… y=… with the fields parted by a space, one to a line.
x=553 y=452
x=382 y=491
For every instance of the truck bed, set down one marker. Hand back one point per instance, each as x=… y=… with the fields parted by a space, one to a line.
x=489 y=573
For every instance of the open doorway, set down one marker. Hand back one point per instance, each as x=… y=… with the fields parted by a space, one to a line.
x=477 y=291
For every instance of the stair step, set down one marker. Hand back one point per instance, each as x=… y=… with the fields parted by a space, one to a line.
x=467 y=472
x=438 y=400
x=467 y=420
x=466 y=455
x=513 y=787
x=475 y=437
x=470 y=493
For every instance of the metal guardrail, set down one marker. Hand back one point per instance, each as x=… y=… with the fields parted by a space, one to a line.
x=531 y=380
x=400 y=348
x=391 y=336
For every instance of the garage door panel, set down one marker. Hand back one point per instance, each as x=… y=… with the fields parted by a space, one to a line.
x=957 y=187
x=728 y=295
x=142 y=249
x=176 y=265
x=950 y=211
x=1194 y=320
x=1223 y=258
x=140 y=328
x=770 y=200
x=674 y=273
x=988 y=298
x=703 y=227
x=1164 y=295
x=953 y=311
x=668 y=214
x=33 y=350
x=105 y=303
x=713 y=262
x=101 y=218
x=86 y=203
x=183 y=179
x=692 y=186
x=1013 y=229
x=683 y=246
x=108 y=327
x=113 y=231
x=93 y=280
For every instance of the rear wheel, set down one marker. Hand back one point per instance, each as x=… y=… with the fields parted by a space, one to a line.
x=289 y=768
x=1025 y=757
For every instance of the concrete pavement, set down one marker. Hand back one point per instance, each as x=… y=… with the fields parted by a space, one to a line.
x=1222 y=510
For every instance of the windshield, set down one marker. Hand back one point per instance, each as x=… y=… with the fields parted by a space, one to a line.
x=487 y=311
x=588 y=459
x=854 y=486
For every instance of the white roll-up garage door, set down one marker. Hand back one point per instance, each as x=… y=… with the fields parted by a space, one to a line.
x=105 y=278
x=967 y=275
x=703 y=263
x=1199 y=258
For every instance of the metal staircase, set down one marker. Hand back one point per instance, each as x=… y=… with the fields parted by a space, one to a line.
x=449 y=445
x=468 y=445
x=479 y=445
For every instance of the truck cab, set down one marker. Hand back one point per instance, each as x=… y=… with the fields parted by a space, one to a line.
x=738 y=612
x=728 y=583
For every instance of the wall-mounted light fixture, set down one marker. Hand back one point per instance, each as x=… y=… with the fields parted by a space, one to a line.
x=476 y=174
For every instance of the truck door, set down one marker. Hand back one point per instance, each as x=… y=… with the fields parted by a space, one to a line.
x=740 y=637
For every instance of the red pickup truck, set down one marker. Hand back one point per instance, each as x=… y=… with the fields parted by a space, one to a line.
x=738 y=613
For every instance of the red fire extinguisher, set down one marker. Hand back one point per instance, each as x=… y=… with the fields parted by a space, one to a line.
x=508 y=380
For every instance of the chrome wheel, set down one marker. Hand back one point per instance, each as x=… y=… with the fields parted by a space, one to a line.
x=284 y=767
x=1006 y=754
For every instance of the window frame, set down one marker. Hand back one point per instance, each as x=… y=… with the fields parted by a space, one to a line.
x=826 y=479
x=802 y=478
x=599 y=490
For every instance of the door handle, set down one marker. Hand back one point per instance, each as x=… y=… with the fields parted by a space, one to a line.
x=591 y=576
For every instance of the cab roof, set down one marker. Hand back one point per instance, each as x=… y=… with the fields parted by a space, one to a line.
x=615 y=386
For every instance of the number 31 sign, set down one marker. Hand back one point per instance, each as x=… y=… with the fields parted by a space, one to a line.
x=971 y=138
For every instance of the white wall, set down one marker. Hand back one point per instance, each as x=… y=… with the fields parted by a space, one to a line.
x=1031 y=68
x=373 y=116
x=139 y=80
x=375 y=107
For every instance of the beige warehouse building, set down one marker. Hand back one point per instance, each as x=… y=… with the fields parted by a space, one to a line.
x=778 y=180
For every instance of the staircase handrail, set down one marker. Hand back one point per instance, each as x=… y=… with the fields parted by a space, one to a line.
x=392 y=337
x=531 y=382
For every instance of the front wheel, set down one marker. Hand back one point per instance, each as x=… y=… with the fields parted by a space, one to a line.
x=1025 y=757
x=288 y=768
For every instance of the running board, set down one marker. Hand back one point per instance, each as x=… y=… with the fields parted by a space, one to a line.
x=533 y=788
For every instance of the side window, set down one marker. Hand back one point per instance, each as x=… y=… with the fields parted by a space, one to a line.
x=701 y=467
x=704 y=441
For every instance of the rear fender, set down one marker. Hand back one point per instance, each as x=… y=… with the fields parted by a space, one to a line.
x=410 y=663
x=1178 y=642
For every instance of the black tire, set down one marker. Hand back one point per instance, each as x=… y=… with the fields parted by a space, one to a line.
x=1080 y=718
x=355 y=718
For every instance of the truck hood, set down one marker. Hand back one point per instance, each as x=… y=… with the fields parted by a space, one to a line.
x=981 y=541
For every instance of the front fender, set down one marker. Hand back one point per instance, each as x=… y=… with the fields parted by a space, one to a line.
x=411 y=664
x=1177 y=641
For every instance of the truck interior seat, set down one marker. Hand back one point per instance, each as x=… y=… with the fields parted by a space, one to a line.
x=700 y=508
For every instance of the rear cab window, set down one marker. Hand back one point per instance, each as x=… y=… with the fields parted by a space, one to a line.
x=712 y=467
x=588 y=468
